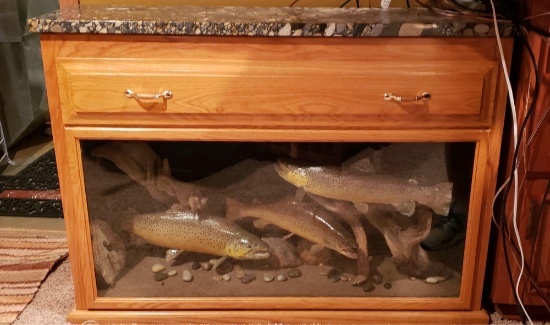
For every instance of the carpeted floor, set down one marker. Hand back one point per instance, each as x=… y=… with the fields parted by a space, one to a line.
x=26 y=258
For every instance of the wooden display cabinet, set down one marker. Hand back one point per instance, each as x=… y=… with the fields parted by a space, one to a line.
x=247 y=90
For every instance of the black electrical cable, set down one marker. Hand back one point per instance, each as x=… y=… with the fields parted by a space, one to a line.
x=294 y=2
x=503 y=219
x=357 y=3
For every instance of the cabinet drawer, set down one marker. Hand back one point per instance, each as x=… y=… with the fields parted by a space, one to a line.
x=272 y=90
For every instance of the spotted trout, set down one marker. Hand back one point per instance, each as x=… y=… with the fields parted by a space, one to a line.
x=361 y=187
x=186 y=231
x=300 y=219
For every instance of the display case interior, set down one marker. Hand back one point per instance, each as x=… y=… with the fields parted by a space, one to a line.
x=268 y=219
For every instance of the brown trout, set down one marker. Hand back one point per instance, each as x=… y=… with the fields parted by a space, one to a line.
x=300 y=219
x=360 y=187
x=186 y=231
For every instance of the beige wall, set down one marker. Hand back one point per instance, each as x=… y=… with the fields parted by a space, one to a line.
x=251 y=3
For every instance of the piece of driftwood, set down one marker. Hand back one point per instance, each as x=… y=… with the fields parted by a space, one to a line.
x=404 y=242
x=313 y=254
x=108 y=250
x=142 y=164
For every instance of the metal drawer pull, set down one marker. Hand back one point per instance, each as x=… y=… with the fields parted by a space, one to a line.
x=167 y=94
x=423 y=96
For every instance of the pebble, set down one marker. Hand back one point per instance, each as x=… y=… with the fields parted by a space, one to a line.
x=248 y=278
x=187 y=276
x=268 y=277
x=281 y=278
x=377 y=278
x=368 y=286
x=161 y=276
x=332 y=272
x=206 y=266
x=157 y=268
x=335 y=278
x=172 y=273
x=196 y=265
x=218 y=277
x=412 y=278
x=239 y=272
x=432 y=280
x=387 y=285
x=226 y=277
x=344 y=278
x=294 y=273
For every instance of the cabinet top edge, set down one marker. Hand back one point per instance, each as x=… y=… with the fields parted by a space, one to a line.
x=262 y=21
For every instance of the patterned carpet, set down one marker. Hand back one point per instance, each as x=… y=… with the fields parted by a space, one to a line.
x=26 y=258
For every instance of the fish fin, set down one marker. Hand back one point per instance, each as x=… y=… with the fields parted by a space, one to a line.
x=407 y=207
x=362 y=207
x=171 y=254
x=260 y=224
x=219 y=262
x=232 y=209
x=443 y=197
x=286 y=237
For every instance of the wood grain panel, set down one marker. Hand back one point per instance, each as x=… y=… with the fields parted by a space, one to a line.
x=276 y=83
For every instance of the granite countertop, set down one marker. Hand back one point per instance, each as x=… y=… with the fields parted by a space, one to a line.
x=260 y=21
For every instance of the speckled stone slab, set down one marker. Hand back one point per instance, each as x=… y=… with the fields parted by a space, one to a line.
x=260 y=21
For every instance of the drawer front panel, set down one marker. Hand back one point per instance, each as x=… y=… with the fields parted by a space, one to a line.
x=276 y=92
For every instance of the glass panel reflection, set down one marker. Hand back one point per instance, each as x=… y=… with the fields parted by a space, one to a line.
x=196 y=219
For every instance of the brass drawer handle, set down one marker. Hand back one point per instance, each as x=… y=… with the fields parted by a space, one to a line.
x=423 y=96
x=167 y=94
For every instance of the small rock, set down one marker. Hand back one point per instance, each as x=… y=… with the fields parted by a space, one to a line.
x=368 y=286
x=335 y=278
x=206 y=266
x=248 y=278
x=268 y=277
x=196 y=265
x=387 y=285
x=213 y=261
x=226 y=277
x=187 y=276
x=225 y=267
x=218 y=277
x=157 y=268
x=432 y=280
x=377 y=278
x=294 y=273
x=239 y=271
x=332 y=273
x=412 y=278
x=160 y=276
x=172 y=273
x=281 y=278
x=344 y=278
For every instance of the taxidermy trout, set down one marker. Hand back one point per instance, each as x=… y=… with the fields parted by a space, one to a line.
x=362 y=187
x=299 y=219
x=186 y=231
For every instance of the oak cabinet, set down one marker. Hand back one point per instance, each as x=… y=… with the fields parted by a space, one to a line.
x=231 y=95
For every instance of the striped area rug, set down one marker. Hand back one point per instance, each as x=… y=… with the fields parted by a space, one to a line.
x=26 y=258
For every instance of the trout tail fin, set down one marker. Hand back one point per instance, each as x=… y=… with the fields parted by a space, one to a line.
x=443 y=197
x=233 y=209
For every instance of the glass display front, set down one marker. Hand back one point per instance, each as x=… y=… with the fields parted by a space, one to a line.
x=226 y=219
